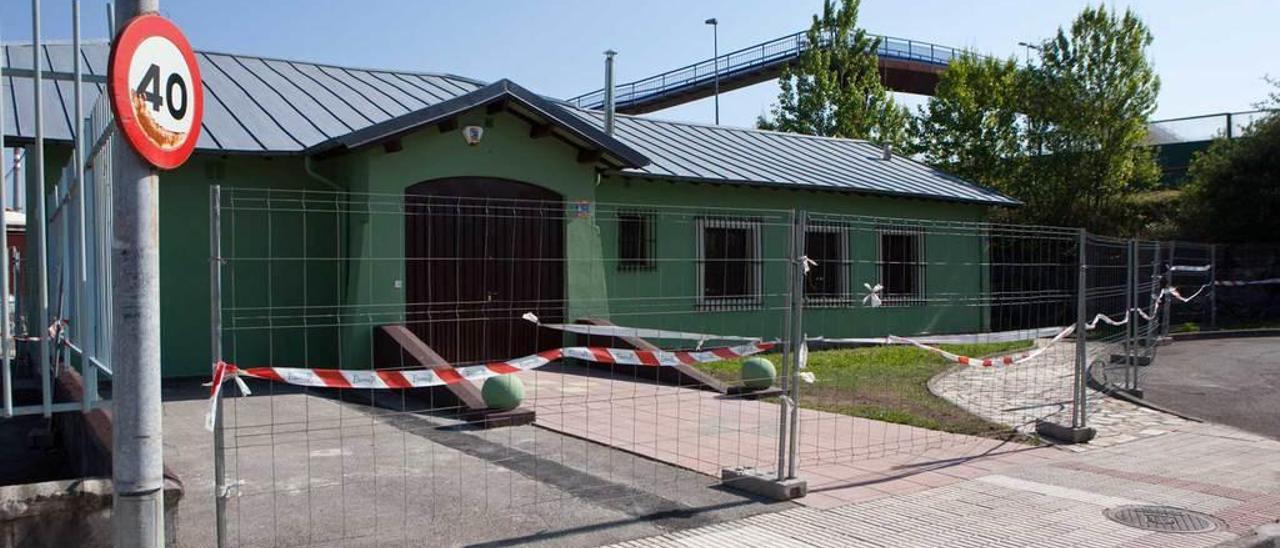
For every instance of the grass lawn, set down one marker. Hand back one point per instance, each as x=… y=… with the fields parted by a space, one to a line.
x=887 y=383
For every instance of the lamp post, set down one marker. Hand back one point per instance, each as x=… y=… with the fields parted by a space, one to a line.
x=715 y=61
x=1029 y=47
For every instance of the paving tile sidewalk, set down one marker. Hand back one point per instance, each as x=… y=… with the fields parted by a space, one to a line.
x=1058 y=501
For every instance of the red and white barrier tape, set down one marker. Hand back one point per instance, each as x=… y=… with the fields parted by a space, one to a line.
x=642 y=332
x=1011 y=359
x=440 y=376
x=961 y=338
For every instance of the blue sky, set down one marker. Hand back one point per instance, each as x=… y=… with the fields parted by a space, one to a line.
x=1211 y=56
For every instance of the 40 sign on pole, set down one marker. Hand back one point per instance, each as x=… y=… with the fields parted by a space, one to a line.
x=155 y=89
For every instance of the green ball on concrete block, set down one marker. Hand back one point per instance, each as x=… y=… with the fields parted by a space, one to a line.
x=758 y=373
x=503 y=392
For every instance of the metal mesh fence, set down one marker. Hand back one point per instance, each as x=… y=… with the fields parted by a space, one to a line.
x=422 y=362
x=355 y=293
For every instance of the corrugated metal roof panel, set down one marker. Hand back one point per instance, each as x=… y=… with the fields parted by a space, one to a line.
x=252 y=104
x=260 y=105
x=748 y=156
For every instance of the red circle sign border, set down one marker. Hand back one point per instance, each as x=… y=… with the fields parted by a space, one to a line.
x=126 y=44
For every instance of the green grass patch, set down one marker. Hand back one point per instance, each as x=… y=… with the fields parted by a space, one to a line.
x=886 y=383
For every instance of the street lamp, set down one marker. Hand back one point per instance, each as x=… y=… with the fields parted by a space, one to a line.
x=1029 y=47
x=715 y=60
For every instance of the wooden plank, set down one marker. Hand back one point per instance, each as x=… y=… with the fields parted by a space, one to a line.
x=410 y=344
x=690 y=372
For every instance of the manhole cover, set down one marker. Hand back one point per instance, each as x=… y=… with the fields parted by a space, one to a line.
x=1165 y=519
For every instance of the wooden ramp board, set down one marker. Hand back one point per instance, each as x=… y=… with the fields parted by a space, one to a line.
x=397 y=346
x=681 y=375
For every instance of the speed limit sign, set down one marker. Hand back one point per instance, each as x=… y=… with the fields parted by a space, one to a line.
x=155 y=90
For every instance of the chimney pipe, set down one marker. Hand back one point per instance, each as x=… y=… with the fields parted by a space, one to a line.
x=608 y=91
x=887 y=153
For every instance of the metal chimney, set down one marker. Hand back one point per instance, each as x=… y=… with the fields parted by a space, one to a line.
x=887 y=153
x=608 y=91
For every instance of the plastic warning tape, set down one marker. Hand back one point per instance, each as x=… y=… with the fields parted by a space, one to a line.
x=1011 y=359
x=642 y=332
x=440 y=376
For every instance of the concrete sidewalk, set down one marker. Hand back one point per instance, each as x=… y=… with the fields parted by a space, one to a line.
x=1227 y=473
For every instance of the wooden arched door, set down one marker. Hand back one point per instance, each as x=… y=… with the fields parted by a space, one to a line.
x=479 y=253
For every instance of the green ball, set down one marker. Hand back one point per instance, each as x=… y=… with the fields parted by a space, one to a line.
x=758 y=373
x=503 y=392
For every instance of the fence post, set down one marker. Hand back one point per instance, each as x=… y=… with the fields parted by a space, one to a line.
x=1157 y=293
x=1131 y=317
x=1082 y=332
x=1213 y=286
x=215 y=345
x=1077 y=431
x=1167 y=316
x=798 y=264
x=784 y=379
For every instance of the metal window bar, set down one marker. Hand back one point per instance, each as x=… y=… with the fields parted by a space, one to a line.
x=832 y=264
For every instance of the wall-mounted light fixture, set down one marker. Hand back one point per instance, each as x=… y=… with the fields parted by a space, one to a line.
x=472 y=134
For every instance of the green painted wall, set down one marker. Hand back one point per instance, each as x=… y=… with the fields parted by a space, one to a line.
x=506 y=151
x=306 y=281
x=954 y=260
x=249 y=284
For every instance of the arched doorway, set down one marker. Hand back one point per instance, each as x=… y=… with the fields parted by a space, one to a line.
x=479 y=253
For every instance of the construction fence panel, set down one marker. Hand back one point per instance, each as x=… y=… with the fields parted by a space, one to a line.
x=941 y=296
x=397 y=348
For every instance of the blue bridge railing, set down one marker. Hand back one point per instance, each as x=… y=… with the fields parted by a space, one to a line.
x=753 y=58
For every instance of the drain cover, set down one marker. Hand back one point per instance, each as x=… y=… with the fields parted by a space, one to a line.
x=1165 y=519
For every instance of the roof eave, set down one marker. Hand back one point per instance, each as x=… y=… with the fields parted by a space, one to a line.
x=819 y=188
x=618 y=154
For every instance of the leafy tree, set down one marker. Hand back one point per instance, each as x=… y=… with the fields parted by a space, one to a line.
x=1099 y=91
x=835 y=90
x=1233 y=188
x=971 y=127
x=1064 y=135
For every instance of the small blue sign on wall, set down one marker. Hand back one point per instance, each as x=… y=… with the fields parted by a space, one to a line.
x=582 y=209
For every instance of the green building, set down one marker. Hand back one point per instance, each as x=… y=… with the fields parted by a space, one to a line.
x=355 y=198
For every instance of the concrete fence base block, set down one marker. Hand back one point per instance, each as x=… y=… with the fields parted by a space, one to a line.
x=1265 y=536
x=758 y=482
x=1064 y=434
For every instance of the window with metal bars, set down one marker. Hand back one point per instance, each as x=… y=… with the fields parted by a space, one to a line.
x=902 y=265
x=728 y=262
x=635 y=241
x=827 y=282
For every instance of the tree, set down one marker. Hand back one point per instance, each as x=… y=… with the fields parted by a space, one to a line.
x=1099 y=92
x=1233 y=188
x=1064 y=135
x=834 y=89
x=971 y=127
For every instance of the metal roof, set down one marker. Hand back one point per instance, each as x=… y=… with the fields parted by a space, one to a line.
x=700 y=152
x=274 y=106
x=252 y=104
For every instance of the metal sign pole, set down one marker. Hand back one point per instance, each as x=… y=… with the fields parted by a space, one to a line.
x=40 y=219
x=5 y=345
x=138 y=466
x=215 y=340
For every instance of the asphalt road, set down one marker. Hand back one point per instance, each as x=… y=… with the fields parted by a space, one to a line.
x=1230 y=381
